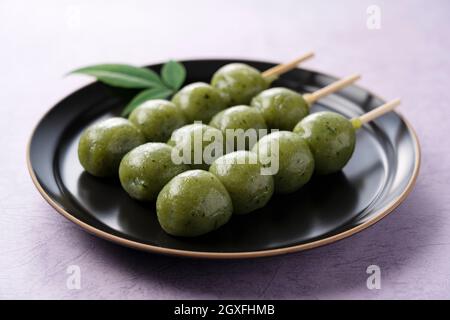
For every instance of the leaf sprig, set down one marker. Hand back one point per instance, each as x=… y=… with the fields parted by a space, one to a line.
x=173 y=75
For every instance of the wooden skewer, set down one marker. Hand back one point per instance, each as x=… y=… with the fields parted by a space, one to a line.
x=283 y=68
x=358 y=122
x=335 y=86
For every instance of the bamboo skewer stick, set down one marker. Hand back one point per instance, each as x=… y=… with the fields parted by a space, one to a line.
x=358 y=122
x=335 y=86
x=283 y=68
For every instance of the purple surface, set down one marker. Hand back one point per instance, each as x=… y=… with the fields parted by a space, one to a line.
x=407 y=57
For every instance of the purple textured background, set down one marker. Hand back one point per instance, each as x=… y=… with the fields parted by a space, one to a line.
x=408 y=57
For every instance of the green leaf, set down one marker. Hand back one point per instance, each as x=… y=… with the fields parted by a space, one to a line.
x=173 y=74
x=149 y=94
x=122 y=75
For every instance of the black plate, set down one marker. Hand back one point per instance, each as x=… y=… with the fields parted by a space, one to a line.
x=380 y=174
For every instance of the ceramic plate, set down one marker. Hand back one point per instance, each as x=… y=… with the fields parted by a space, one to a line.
x=377 y=179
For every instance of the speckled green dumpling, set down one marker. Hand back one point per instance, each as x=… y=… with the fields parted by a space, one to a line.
x=193 y=203
x=199 y=101
x=103 y=145
x=238 y=83
x=240 y=117
x=145 y=170
x=291 y=152
x=198 y=145
x=242 y=175
x=157 y=119
x=281 y=108
x=331 y=138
